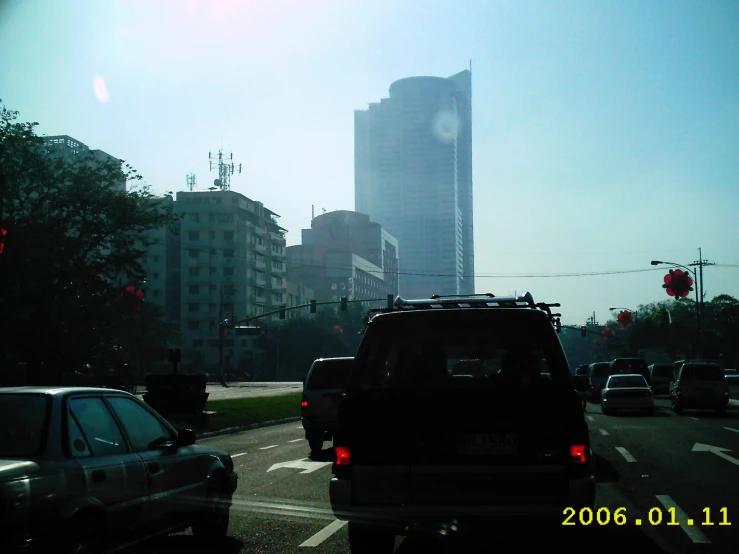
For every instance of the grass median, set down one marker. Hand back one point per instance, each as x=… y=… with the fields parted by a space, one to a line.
x=235 y=412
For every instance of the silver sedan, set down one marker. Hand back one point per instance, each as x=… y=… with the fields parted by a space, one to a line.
x=627 y=392
x=89 y=468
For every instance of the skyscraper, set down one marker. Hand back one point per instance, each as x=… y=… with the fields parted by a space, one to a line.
x=413 y=176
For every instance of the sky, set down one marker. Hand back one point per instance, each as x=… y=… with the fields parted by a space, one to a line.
x=605 y=133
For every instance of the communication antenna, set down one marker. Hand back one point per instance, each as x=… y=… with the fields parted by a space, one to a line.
x=225 y=167
x=191 y=181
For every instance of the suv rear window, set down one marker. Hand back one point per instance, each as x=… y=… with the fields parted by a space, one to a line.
x=329 y=374
x=601 y=371
x=702 y=372
x=663 y=370
x=398 y=355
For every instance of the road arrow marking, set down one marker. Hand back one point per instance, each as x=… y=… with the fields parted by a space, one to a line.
x=304 y=463
x=720 y=452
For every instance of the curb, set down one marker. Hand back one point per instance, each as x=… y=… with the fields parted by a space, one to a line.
x=233 y=430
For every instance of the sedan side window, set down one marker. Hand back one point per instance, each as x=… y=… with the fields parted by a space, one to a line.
x=98 y=426
x=143 y=429
x=77 y=442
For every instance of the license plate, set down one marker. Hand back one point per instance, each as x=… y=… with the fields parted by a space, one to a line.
x=489 y=444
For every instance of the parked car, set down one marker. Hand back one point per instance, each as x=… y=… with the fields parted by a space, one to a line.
x=661 y=376
x=627 y=392
x=83 y=469
x=700 y=385
x=422 y=448
x=324 y=386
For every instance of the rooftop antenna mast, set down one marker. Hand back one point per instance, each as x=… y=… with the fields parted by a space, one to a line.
x=225 y=168
x=191 y=181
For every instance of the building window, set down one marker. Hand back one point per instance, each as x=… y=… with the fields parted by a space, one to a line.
x=228 y=253
x=194 y=253
x=197 y=343
x=193 y=325
x=228 y=235
x=195 y=217
x=194 y=271
x=155 y=275
x=194 y=289
x=228 y=271
x=194 y=235
x=193 y=307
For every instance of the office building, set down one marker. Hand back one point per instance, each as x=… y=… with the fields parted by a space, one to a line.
x=413 y=176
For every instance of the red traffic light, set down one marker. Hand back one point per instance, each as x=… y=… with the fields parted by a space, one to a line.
x=583 y=331
x=678 y=283
x=559 y=325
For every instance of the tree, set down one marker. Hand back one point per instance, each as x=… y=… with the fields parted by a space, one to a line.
x=75 y=238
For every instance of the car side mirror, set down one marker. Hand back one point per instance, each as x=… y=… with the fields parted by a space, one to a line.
x=185 y=437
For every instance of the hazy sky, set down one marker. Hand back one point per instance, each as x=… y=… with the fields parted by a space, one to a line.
x=605 y=133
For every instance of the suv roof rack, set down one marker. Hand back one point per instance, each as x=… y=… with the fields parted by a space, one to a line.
x=486 y=300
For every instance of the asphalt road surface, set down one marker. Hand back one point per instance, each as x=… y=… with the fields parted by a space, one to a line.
x=652 y=466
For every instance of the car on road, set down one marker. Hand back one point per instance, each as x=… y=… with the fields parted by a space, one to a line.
x=628 y=366
x=700 y=385
x=324 y=386
x=627 y=392
x=598 y=374
x=421 y=448
x=661 y=376
x=84 y=469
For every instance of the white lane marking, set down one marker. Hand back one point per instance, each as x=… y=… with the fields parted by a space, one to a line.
x=296 y=440
x=237 y=455
x=731 y=429
x=693 y=418
x=324 y=533
x=309 y=466
x=270 y=446
x=625 y=454
x=301 y=427
x=590 y=418
x=603 y=432
x=695 y=534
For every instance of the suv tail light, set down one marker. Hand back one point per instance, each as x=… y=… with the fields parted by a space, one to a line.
x=578 y=453
x=343 y=456
x=592 y=387
x=678 y=392
x=726 y=392
x=303 y=404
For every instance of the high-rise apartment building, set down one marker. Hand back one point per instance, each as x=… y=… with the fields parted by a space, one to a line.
x=345 y=254
x=228 y=258
x=67 y=147
x=413 y=176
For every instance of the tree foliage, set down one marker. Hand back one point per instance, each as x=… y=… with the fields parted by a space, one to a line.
x=75 y=236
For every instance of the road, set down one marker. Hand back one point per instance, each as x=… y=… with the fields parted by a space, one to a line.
x=645 y=465
x=245 y=389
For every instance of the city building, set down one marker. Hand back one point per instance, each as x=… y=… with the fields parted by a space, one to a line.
x=227 y=260
x=344 y=254
x=67 y=147
x=298 y=295
x=413 y=176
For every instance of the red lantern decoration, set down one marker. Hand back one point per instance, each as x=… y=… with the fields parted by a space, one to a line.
x=678 y=283
x=597 y=344
x=625 y=318
x=608 y=333
x=3 y=234
x=132 y=298
x=338 y=329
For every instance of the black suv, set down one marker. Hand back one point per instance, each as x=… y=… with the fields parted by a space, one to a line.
x=448 y=420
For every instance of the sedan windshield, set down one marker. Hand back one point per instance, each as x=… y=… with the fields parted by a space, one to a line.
x=626 y=382
x=23 y=422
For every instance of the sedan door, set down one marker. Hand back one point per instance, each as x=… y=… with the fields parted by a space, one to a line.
x=113 y=475
x=176 y=479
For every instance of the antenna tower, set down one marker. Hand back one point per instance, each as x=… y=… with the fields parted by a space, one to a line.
x=225 y=167
x=191 y=182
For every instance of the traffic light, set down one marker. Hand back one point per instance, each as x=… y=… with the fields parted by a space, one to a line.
x=559 y=325
x=312 y=306
x=344 y=303
x=282 y=313
x=583 y=331
x=390 y=301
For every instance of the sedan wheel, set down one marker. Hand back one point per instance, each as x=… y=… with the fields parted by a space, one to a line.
x=86 y=530
x=212 y=523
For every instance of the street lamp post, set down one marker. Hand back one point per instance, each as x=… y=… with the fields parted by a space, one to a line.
x=698 y=300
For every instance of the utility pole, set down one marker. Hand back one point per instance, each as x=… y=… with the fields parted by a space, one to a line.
x=700 y=294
